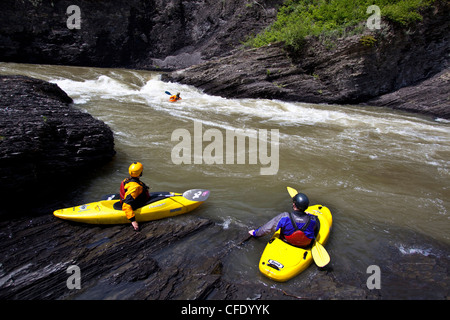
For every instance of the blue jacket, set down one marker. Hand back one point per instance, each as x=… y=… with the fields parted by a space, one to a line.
x=283 y=222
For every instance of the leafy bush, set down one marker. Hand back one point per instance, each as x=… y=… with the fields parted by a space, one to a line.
x=367 y=40
x=297 y=19
x=405 y=12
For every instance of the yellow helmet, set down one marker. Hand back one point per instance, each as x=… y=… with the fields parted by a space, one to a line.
x=135 y=169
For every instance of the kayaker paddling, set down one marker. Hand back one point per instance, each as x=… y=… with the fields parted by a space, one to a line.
x=175 y=97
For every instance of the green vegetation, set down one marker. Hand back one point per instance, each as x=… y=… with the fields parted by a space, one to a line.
x=405 y=11
x=297 y=19
x=367 y=40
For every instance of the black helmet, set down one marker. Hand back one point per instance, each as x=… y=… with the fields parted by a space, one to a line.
x=301 y=201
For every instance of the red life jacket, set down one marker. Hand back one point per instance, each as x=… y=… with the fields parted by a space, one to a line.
x=122 y=190
x=298 y=237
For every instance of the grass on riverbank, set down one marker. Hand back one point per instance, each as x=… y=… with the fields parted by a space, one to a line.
x=297 y=19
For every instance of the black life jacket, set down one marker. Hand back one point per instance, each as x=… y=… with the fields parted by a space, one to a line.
x=142 y=198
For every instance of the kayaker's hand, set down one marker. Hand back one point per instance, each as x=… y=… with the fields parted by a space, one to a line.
x=135 y=225
x=251 y=232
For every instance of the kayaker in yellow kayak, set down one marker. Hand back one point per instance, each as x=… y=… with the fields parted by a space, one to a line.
x=299 y=234
x=175 y=97
x=133 y=193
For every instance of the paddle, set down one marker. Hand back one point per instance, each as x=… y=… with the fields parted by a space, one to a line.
x=168 y=93
x=319 y=254
x=196 y=194
x=193 y=195
x=292 y=191
x=111 y=196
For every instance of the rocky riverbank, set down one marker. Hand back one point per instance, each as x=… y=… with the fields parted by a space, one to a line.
x=201 y=42
x=400 y=68
x=428 y=97
x=133 y=34
x=118 y=263
x=115 y=262
x=45 y=143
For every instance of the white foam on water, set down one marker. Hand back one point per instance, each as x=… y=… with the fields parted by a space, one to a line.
x=411 y=250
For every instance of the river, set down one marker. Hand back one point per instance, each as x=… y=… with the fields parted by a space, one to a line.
x=378 y=170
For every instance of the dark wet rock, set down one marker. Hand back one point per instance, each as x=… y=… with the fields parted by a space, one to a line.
x=416 y=269
x=44 y=139
x=119 y=263
x=115 y=261
x=133 y=34
x=428 y=97
x=175 y=259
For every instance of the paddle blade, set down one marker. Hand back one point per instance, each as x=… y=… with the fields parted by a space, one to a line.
x=167 y=92
x=320 y=255
x=111 y=196
x=196 y=194
x=292 y=191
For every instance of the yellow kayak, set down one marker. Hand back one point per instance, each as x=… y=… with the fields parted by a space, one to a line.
x=282 y=261
x=161 y=205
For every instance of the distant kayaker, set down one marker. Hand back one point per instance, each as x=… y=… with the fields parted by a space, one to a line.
x=300 y=235
x=175 y=97
x=133 y=193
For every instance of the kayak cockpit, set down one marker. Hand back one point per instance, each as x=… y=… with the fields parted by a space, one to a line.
x=154 y=197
